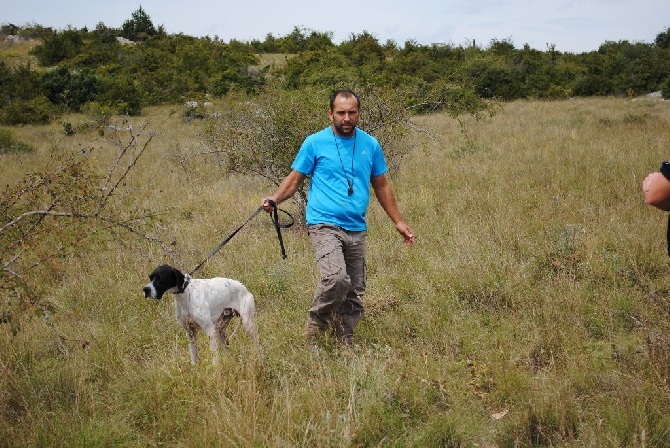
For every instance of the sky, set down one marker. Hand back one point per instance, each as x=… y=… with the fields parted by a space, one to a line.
x=567 y=25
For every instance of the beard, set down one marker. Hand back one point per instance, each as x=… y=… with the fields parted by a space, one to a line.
x=345 y=132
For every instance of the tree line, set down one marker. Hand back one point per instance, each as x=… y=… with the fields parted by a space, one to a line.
x=121 y=70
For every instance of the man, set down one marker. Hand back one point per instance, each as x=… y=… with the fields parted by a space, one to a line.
x=342 y=161
x=656 y=188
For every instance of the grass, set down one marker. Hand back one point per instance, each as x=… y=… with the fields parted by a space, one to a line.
x=16 y=54
x=272 y=60
x=533 y=310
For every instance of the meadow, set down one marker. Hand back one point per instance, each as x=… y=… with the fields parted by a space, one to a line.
x=534 y=309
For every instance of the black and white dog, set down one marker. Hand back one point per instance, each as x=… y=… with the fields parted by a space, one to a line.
x=205 y=304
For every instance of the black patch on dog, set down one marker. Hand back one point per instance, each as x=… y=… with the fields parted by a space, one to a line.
x=164 y=278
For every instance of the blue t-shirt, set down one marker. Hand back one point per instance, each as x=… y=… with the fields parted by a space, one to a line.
x=328 y=159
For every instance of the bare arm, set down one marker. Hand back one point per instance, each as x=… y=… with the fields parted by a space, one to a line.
x=386 y=199
x=656 y=189
x=286 y=189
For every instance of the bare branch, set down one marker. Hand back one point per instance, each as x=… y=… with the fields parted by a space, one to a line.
x=35 y=213
x=105 y=191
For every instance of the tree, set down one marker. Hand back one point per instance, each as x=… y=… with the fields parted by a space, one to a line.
x=326 y=68
x=120 y=94
x=663 y=39
x=364 y=50
x=6 y=78
x=319 y=41
x=493 y=78
x=8 y=28
x=294 y=42
x=503 y=47
x=62 y=207
x=20 y=83
x=105 y=34
x=37 y=110
x=139 y=27
x=665 y=88
x=269 y=45
x=71 y=89
x=262 y=137
x=20 y=99
x=57 y=47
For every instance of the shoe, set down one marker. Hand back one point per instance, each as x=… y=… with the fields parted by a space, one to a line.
x=313 y=333
x=348 y=340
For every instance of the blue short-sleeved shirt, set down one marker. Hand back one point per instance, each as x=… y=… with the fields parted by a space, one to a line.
x=327 y=159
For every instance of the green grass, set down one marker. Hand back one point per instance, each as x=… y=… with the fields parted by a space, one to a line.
x=537 y=291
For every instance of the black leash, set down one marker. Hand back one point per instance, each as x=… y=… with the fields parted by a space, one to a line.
x=275 y=220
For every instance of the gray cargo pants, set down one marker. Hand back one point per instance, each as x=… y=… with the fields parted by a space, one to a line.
x=338 y=301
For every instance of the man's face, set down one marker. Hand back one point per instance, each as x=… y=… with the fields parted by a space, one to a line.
x=344 y=115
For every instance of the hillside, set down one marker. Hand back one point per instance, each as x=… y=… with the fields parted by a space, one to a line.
x=533 y=311
x=17 y=53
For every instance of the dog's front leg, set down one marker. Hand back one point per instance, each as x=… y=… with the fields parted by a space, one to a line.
x=192 y=348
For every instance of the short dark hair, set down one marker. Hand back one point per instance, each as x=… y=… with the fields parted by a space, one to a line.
x=346 y=93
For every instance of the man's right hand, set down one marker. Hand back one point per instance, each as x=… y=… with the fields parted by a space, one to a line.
x=269 y=204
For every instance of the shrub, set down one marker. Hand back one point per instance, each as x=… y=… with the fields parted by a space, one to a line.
x=99 y=113
x=71 y=89
x=58 y=47
x=120 y=94
x=265 y=138
x=665 y=89
x=9 y=144
x=35 y=111
x=558 y=92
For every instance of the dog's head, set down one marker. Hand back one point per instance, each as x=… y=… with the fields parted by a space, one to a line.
x=164 y=279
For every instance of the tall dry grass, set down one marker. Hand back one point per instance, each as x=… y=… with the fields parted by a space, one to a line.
x=533 y=310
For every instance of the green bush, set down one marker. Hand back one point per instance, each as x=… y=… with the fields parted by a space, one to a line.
x=99 y=113
x=9 y=144
x=119 y=93
x=35 y=111
x=71 y=89
x=558 y=92
x=58 y=47
x=665 y=89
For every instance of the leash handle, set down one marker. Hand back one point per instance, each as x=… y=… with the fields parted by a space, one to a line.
x=278 y=226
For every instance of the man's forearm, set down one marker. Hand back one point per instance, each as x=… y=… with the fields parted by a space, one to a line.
x=288 y=187
x=387 y=200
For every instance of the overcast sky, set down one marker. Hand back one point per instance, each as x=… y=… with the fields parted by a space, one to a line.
x=569 y=25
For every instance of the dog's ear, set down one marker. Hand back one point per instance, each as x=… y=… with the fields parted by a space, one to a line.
x=158 y=270
x=179 y=277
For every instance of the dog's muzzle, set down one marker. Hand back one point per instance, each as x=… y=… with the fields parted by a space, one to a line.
x=150 y=292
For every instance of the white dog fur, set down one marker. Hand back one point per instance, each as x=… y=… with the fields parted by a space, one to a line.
x=205 y=304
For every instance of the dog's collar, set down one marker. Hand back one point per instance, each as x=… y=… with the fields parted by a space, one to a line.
x=182 y=288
